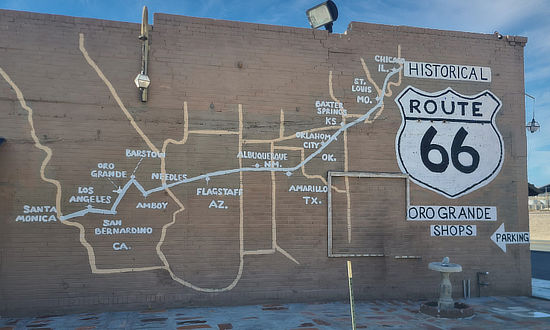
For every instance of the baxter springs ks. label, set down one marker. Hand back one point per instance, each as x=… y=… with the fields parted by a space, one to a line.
x=449 y=142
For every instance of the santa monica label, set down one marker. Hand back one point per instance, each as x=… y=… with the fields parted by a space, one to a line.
x=449 y=142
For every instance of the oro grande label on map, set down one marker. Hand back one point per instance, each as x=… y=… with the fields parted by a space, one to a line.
x=449 y=142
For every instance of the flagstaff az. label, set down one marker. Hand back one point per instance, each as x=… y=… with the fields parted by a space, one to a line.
x=449 y=142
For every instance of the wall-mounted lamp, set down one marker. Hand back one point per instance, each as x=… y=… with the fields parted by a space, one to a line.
x=323 y=15
x=533 y=125
x=142 y=80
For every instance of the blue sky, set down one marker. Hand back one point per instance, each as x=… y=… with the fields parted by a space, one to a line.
x=528 y=18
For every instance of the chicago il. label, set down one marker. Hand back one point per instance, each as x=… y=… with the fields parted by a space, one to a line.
x=449 y=142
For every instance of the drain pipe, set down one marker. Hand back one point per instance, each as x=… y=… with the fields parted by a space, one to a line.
x=480 y=277
x=466 y=288
x=142 y=80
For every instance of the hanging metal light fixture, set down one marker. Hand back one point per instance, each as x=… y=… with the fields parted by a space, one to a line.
x=533 y=125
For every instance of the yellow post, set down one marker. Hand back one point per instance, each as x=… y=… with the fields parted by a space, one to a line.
x=350 y=275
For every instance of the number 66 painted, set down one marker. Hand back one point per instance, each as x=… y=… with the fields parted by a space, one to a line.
x=449 y=142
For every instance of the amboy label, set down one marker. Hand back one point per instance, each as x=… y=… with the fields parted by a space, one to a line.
x=449 y=142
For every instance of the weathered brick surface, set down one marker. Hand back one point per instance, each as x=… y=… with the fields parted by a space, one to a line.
x=215 y=66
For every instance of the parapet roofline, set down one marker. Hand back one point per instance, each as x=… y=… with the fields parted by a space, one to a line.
x=17 y=14
x=362 y=27
x=354 y=27
x=173 y=19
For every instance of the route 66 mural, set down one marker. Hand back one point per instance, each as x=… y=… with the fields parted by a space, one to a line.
x=449 y=142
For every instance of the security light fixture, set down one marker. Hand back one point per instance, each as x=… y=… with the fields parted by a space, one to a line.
x=533 y=125
x=323 y=15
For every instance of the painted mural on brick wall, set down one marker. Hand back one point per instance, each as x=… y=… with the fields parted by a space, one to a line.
x=448 y=142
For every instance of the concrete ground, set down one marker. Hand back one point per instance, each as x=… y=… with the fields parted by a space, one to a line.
x=491 y=313
x=540 y=264
x=541 y=288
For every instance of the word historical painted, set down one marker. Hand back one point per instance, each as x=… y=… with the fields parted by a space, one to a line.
x=452 y=213
x=449 y=142
x=453 y=230
x=447 y=71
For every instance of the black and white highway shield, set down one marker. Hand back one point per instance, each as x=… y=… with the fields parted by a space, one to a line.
x=449 y=142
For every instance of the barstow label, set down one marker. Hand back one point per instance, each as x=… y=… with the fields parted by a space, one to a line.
x=144 y=153
x=452 y=213
x=308 y=188
x=453 y=230
x=262 y=155
x=203 y=191
x=447 y=71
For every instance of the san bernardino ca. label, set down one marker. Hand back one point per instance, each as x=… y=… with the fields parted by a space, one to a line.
x=449 y=142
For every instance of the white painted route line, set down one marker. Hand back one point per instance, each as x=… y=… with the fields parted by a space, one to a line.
x=207 y=176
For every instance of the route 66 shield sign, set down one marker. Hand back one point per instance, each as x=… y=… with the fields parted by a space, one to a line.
x=449 y=142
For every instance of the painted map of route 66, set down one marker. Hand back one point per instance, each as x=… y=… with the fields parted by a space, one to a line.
x=449 y=142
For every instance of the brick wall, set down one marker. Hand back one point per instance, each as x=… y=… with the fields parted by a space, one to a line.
x=220 y=87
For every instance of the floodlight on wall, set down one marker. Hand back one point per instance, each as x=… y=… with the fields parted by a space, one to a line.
x=142 y=80
x=533 y=125
x=323 y=15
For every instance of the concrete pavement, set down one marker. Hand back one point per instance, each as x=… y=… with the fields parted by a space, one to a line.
x=491 y=313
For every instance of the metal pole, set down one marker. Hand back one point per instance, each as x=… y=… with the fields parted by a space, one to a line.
x=352 y=307
x=144 y=37
x=547 y=200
